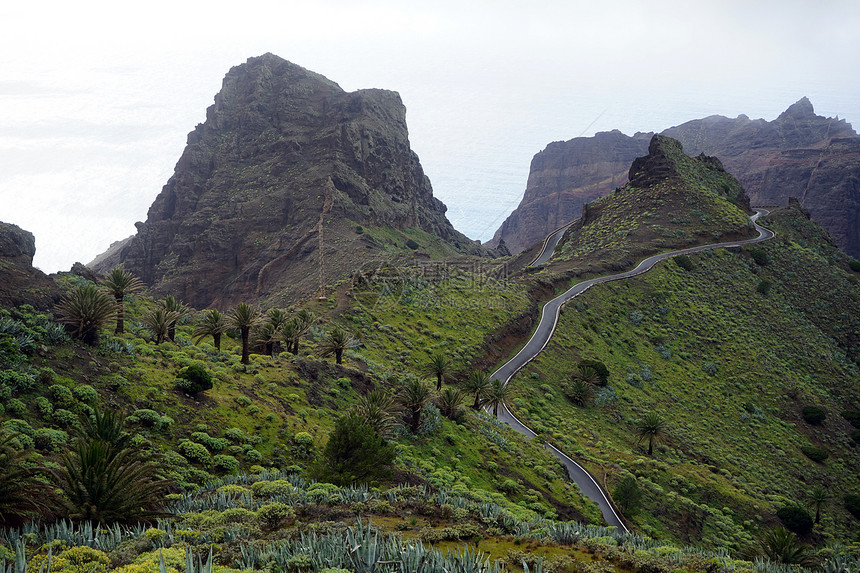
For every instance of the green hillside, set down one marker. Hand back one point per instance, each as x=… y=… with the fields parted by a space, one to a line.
x=293 y=462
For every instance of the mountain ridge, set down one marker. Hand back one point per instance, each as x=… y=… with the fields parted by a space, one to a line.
x=798 y=154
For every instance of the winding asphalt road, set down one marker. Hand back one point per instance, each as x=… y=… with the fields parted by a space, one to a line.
x=544 y=331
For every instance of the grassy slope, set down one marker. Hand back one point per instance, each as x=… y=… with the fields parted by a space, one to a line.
x=730 y=370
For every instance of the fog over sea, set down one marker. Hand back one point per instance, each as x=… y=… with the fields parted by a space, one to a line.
x=95 y=105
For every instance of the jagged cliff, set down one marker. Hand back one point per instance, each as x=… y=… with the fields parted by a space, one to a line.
x=281 y=150
x=20 y=282
x=799 y=154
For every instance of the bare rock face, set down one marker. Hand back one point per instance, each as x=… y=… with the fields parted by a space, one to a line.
x=281 y=150
x=20 y=282
x=799 y=154
x=563 y=178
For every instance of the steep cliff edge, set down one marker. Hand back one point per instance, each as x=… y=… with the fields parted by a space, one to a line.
x=20 y=282
x=799 y=154
x=282 y=151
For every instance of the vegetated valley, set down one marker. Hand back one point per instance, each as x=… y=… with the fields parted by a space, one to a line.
x=716 y=398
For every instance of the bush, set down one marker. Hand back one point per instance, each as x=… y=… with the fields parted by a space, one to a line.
x=412 y=244
x=854 y=265
x=43 y=405
x=271 y=514
x=855 y=435
x=15 y=407
x=355 y=453
x=235 y=434
x=684 y=262
x=795 y=518
x=599 y=367
x=814 y=414
x=814 y=454
x=763 y=287
x=48 y=440
x=852 y=504
x=303 y=439
x=64 y=418
x=853 y=417
x=253 y=456
x=194 y=452
x=85 y=393
x=759 y=256
x=225 y=463
x=193 y=379
x=275 y=488
x=62 y=396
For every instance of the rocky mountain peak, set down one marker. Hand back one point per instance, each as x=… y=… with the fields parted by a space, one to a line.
x=801 y=109
x=283 y=153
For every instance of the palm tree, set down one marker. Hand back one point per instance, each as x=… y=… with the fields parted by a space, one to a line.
x=586 y=374
x=449 y=401
x=23 y=495
x=244 y=318
x=782 y=546
x=266 y=335
x=478 y=382
x=170 y=304
x=498 y=393
x=212 y=323
x=378 y=410
x=289 y=334
x=158 y=321
x=439 y=366
x=651 y=427
x=120 y=283
x=304 y=321
x=413 y=396
x=579 y=392
x=85 y=309
x=105 y=484
x=336 y=341
x=105 y=425
x=818 y=497
x=276 y=318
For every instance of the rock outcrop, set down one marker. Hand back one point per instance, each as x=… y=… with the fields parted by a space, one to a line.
x=799 y=154
x=20 y=282
x=282 y=151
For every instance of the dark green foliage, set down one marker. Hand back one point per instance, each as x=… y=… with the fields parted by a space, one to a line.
x=336 y=341
x=814 y=454
x=579 y=392
x=651 y=428
x=854 y=265
x=84 y=310
x=759 y=256
x=359 y=230
x=795 y=518
x=355 y=453
x=413 y=396
x=628 y=496
x=194 y=379
x=855 y=435
x=763 y=287
x=853 y=417
x=104 y=479
x=814 y=414
x=23 y=495
x=412 y=244
x=599 y=367
x=852 y=504
x=684 y=262
x=782 y=546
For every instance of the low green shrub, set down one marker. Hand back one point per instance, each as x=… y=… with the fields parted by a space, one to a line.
x=193 y=379
x=225 y=463
x=85 y=393
x=814 y=414
x=795 y=518
x=814 y=454
x=194 y=452
x=853 y=417
x=852 y=504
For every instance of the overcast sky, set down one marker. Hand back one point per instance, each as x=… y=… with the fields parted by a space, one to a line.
x=96 y=98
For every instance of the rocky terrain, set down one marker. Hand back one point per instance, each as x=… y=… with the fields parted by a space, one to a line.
x=799 y=154
x=20 y=282
x=282 y=152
